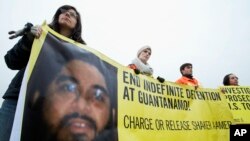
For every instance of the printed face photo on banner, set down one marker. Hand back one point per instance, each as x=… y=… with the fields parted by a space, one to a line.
x=71 y=95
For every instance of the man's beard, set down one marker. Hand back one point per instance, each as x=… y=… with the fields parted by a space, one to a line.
x=79 y=137
x=71 y=137
x=68 y=136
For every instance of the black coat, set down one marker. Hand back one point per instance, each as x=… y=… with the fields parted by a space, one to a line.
x=17 y=59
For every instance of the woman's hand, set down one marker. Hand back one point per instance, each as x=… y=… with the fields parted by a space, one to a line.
x=36 y=31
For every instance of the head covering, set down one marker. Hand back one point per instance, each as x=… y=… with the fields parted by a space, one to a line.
x=142 y=49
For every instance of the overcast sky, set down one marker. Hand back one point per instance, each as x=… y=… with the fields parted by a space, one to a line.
x=214 y=35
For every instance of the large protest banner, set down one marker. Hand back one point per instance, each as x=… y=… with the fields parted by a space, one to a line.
x=238 y=98
x=73 y=92
x=149 y=110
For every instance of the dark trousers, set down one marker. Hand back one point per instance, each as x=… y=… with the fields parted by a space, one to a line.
x=7 y=114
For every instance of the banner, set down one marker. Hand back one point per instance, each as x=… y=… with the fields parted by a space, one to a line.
x=238 y=98
x=149 y=110
x=72 y=92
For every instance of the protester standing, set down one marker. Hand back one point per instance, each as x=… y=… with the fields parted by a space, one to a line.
x=67 y=22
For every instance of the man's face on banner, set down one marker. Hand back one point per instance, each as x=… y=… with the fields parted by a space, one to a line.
x=77 y=105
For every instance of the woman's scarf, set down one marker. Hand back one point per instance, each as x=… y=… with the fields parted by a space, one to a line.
x=144 y=68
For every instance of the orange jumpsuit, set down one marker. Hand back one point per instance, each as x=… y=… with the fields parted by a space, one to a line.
x=188 y=81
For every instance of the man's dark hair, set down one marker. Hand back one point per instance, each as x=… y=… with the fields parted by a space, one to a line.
x=51 y=60
x=182 y=67
x=77 y=32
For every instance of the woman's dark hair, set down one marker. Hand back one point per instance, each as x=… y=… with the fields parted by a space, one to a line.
x=77 y=31
x=226 y=81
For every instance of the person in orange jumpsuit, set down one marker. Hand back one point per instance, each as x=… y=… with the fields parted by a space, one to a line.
x=187 y=78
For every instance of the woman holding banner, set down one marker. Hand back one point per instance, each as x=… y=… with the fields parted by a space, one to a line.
x=140 y=63
x=67 y=22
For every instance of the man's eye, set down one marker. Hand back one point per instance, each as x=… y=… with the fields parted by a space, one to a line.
x=69 y=87
x=99 y=95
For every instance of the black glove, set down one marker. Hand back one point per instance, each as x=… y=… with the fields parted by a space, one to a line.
x=21 y=32
x=137 y=71
x=160 y=79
